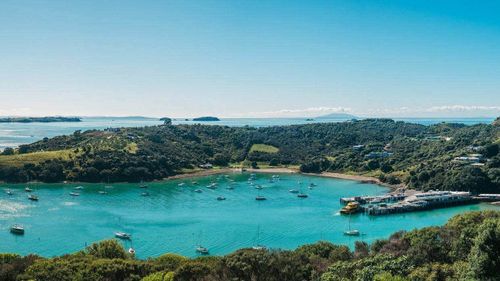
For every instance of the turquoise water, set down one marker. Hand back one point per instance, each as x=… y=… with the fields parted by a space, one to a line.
x=175 y=218
x=15 y=134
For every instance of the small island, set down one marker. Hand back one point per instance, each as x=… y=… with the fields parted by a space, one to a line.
x=206 y=118
x=39 y=119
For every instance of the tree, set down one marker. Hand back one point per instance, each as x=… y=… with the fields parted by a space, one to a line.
x=484 y=258
x=107 y=249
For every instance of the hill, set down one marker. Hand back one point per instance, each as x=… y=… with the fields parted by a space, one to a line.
x=442 y=156
x=337 y=116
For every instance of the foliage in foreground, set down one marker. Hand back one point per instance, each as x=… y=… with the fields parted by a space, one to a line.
x=466 y=248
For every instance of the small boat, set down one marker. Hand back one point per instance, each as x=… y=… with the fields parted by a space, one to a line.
x=27 y=189
x=230 y=187
x=293 y=191
x=198 y=190
x=145 y=194
x=221 y=198
x=181 y=184
x=194 y=183
x=312 y=184
x=74 y=194
x=302 y=195
x=103 y=192
x=9 y=192
x=202 y=250
x=353 y=232
x=131 y=251
x=108 y=186
x=143 y=186
x=212 y=185
x=259 y=247
x=17 y=229
x=260 y=198
x=259 y=187
x=79 y=188
x=123 y=235
x=33 y=197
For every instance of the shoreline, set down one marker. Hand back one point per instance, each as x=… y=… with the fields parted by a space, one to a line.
x=284 y=170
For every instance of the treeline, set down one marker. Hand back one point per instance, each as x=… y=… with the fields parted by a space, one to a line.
x=396 y=152
x=466 y=248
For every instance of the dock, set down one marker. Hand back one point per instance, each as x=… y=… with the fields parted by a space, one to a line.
x=403 y=203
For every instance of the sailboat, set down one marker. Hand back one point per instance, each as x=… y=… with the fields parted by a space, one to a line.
x=351 y=232
x=200 y=249
x=258 y=246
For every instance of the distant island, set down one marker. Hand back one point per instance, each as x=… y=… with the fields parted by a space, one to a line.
x=206 y=118
x=39 y=119
x=337 y=116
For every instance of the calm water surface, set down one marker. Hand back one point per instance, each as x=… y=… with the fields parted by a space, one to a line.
x=175 y=218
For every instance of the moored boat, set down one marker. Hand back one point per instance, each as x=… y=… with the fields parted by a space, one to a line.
x=145 y=194
x=123 y=235
x=79 y=187
x=198 y=190
x=27 y=189
x=302 y=195
x=17 y=229
x=33 y=197
x=293 y=191
x=221 y=198
x=260 y=198
x=9 y=192
x=74 y=194
x=350 y=208
x=202 y=250
x=353 y=232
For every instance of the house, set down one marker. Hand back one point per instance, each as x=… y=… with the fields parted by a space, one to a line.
x=206 y=166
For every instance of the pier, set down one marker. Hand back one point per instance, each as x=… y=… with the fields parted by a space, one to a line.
x=402 y=203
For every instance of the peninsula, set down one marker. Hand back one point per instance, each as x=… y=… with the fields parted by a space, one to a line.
x=39 y=119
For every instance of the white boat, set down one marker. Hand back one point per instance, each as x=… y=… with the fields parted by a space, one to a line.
x=202 y=250
x=145 y=194
x=293 y=191
x=79 y=187
x=181 y=184
x=198 y=190
x=17 y=229
x=351 y=232
x=212 y=185
x=258 y=186
x=103 y=192
x=74 y=194
x=33 y=197
x=9 y=192
x=27 y=189
x=131 y=251
x=123 y=235
x=258 y=246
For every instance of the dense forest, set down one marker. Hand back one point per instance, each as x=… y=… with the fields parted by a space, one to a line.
x=441 y=156
x=467 y=247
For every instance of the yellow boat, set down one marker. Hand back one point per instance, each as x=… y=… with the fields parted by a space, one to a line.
x=350 y=208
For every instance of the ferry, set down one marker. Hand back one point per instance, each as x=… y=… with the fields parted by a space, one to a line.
x=17 y=229
x=123 y=235
x=33 y=197
x=350 y=208
x=202 y=250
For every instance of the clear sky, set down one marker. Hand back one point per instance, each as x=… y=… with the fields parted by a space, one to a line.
x=250 y=58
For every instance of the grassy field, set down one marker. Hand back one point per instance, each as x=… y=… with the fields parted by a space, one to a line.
x=18 y=160
x=264 y=148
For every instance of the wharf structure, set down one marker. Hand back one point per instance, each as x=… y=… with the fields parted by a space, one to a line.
x=402 y=203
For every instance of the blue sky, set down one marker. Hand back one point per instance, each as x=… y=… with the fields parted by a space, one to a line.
x=250 y=58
